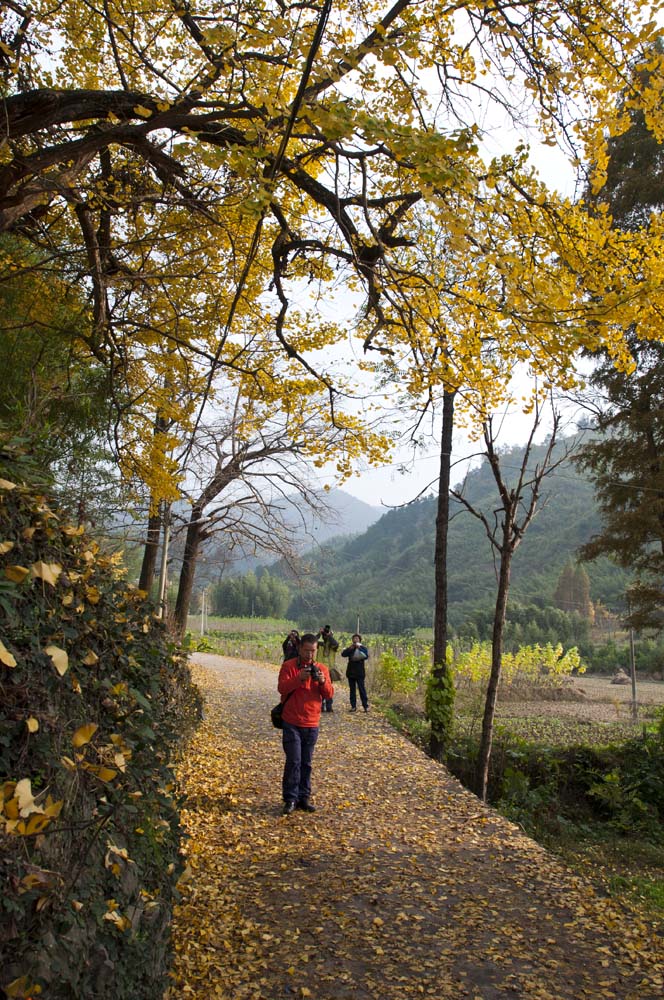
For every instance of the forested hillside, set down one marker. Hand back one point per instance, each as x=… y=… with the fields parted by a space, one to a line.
x=386 y=574
x=345 y=515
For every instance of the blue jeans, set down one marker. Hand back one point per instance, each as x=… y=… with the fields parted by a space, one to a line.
x=353 y=694
x=298 y=743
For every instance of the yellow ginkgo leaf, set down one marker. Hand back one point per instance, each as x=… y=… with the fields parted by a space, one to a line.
x=35 y=880
x=35 y=824
x=16 y=574
x=90 y=659
x=19 y=987
x=52 y=808
x=141 y=110
x=5 y=656
x=10 y=809
x=60 y=659
x=6 y=485
x=6 y=547
x=92 y=594
x=48 y=572
x=84 y=734
x=32 y=724
x=76 y=684
x=103 y=773
x=25 y=798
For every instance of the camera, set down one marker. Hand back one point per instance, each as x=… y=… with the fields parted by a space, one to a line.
x=316 y=673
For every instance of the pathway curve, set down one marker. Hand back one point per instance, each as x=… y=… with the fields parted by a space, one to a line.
x=401 y=885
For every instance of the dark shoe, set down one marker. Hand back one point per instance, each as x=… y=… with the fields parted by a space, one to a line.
x=366 y=708
x=306 y=806
x=353 y=710
x=288 y=808
x=330 y=709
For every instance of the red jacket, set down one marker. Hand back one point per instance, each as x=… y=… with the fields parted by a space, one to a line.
x=303 y=706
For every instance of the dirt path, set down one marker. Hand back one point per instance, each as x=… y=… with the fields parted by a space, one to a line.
x=401 y=885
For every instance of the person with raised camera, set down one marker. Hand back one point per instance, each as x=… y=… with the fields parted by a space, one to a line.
x=303 y=684
x=327 y=651
x=357 y=655
x=290 y=645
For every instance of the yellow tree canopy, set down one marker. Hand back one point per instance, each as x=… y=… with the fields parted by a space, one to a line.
x=200 y=169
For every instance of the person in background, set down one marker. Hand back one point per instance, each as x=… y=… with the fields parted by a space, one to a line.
x=327 y=651
x=302 y=684
x=357 y=655
x=291 y=644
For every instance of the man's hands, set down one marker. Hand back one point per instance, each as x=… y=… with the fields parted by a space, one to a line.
x=312 y=671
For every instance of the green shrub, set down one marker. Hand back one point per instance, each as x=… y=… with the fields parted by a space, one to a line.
x=96 y=699
x=400 y=674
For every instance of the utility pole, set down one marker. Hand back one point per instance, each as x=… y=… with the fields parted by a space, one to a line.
x=632 y=670
x=163 y=570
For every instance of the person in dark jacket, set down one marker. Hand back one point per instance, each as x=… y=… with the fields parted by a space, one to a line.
x=327 y=651
x=291 y=645
x=357 y=655
x=302 y=684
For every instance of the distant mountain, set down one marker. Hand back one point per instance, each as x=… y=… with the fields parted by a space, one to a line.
x=345 y=517
x=386 y=574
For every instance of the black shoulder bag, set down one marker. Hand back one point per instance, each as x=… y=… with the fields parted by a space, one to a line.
x=276 y=713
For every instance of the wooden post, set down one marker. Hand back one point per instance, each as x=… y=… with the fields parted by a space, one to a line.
x=632 y=670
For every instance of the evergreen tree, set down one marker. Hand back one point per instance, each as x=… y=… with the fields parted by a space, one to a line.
x=582 y=603
x=626 y=458
x=564 y=593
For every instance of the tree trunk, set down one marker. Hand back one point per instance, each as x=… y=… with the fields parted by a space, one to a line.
x=188 y=571
x=496 y=662
x=150 y=551
x=440 y=709
x=155 y=521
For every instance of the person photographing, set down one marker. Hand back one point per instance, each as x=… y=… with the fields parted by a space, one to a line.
x=327 y=651
x=303 y=684
x=357 y=655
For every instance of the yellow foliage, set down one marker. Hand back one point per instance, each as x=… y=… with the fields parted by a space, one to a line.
x=84 y=734
x=220 y=214
x=7 y=658
x=59 y=657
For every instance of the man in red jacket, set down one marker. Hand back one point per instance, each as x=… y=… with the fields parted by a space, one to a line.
x=303 y=684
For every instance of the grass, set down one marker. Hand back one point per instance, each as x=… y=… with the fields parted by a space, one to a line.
x=627 y=867
x=630 y=869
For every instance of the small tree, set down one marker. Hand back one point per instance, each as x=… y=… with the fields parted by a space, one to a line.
x=505 y=531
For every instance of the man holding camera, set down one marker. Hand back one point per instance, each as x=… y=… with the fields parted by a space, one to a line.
x=302 y=684
x=357 y=655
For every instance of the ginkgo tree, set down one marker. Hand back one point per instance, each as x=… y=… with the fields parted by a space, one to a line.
x=525 y=278
x=253 y=465
x=195 y=168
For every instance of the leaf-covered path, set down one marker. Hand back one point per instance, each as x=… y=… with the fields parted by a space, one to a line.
x=401 y=885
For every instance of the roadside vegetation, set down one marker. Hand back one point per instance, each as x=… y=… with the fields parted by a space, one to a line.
x=96 y=701
x=570 y=764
